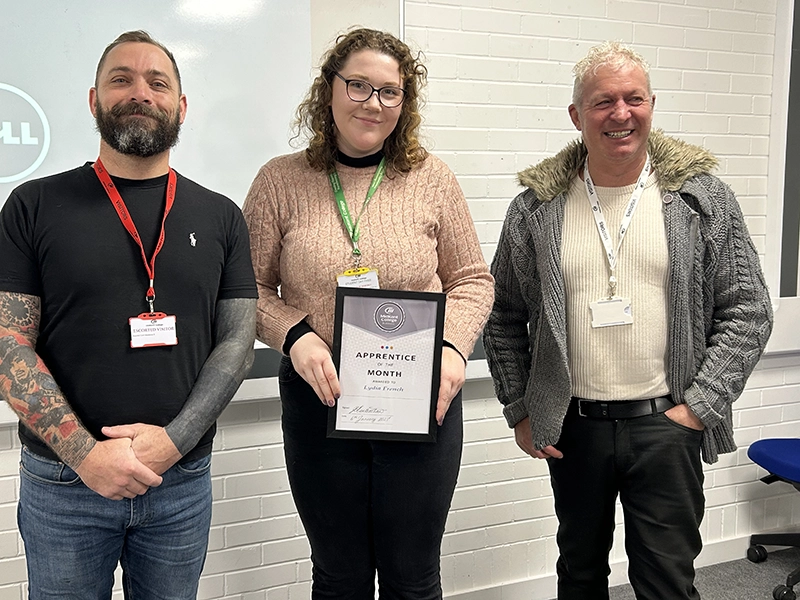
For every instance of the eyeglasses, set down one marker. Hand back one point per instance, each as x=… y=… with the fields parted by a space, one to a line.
x=361 y=91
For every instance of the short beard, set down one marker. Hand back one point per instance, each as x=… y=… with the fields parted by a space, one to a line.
x=136 y=137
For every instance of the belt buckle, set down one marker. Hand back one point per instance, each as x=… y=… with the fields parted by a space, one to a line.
x=580 y=408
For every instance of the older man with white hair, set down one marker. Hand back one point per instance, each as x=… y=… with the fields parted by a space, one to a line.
x=630 y=309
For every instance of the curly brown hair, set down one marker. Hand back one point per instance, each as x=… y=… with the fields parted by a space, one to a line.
x=402 y=148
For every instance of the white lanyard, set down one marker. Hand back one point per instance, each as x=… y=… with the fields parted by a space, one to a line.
x=627 y=217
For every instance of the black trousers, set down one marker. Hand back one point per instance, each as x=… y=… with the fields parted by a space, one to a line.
x=654 y=465
x=368 y=506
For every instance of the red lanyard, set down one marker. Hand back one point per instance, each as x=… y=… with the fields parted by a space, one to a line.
x=127 y=222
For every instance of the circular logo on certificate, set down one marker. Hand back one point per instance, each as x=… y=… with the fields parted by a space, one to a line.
x=24 y=134
x=389 y=316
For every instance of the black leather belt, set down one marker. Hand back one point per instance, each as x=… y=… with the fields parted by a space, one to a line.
x=622 y=409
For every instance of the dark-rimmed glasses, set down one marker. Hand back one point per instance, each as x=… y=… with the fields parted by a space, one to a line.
x=360 y=91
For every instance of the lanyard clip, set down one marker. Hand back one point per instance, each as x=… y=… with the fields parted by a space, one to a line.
x=612 y=287
x=150 y=297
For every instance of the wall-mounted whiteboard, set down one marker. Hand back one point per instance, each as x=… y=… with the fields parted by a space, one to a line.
x=245 y=66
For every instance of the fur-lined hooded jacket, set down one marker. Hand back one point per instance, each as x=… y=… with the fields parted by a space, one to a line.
x=720 y=312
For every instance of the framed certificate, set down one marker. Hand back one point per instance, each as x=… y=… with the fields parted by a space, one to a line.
x=387 y=348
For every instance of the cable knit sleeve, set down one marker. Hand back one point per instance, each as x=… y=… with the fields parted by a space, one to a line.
x=462 y=269
x=506 y=338
x=742 y=311
x=262 y=212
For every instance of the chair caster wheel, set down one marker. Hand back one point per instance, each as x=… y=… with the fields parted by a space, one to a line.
x=756 y=553
x=783 y=592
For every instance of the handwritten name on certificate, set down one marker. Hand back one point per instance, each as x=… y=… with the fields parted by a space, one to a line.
x=386 y=383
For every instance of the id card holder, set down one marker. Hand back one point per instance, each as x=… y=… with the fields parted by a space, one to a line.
x=361 y=277
x=611 y=311
x=153 y=329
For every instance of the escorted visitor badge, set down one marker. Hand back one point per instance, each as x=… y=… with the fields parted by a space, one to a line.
x=153 y=329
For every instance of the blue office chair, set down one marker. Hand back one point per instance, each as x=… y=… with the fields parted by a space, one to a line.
x=781 y=458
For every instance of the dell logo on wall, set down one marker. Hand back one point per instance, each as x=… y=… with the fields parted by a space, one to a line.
x=24 y=134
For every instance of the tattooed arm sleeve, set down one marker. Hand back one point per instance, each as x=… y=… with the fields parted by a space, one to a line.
x=222 y=373
x=29 y=388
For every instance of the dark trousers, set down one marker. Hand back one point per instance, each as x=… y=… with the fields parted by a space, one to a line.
x=368 y=506
x=654 y=465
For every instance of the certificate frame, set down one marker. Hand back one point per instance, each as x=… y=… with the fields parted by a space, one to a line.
x=387 y=349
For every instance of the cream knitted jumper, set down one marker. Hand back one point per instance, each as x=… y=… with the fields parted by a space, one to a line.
x=416 y=231
x=624 y=362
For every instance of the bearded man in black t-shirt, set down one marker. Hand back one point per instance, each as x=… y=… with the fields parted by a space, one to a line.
x=127 y=320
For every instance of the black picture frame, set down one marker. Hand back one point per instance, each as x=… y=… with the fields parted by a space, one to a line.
x=365 y=416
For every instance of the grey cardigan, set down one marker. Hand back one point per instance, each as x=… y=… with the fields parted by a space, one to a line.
x=720 y=312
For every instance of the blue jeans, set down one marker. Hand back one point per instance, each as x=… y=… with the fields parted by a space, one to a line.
x=74 y=537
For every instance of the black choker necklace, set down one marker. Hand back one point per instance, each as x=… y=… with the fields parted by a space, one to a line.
x=359 y=163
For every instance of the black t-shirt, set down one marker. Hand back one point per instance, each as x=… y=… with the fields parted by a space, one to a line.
x=61 y=240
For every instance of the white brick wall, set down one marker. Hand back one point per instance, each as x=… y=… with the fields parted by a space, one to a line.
x=499 y=85
x=500 y=82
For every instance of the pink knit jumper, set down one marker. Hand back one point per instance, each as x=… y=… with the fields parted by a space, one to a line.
x=416 y=231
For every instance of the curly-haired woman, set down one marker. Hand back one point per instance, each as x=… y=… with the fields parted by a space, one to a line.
x=366 y=506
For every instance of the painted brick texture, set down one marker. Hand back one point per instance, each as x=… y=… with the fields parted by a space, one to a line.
x=500 y=82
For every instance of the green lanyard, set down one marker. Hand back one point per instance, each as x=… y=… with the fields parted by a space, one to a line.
x=353 y=229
